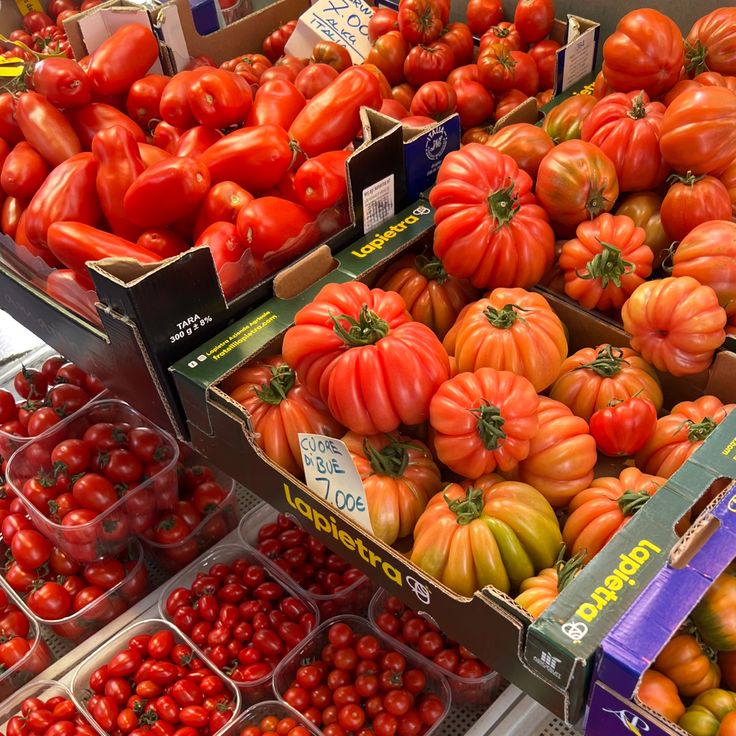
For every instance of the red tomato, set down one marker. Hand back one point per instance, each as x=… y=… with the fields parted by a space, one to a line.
x=474 y=103
x=36 y=20
x=219 y=99
x=30 y=549
x=273 y=45
x=497 y=68
x=504 y=33
x=434 y=100
x=382 y=21
x=533 y=19
x=394 y=109
x=277 y=102
x=50 y=601
x=62 y=81
x=321 y=182
x=460 y=39
x=544 y=54
x=195 y=141
x=428 y=63
x=526 y=77
x=45 y=128
x=143 y=102
x=482 y=14
x=221 y=204
x=23 y=172
x=332 y=54
x=624 y=427
x=691 y=201
x=89 y=120
x=314 y=78
x=227 y=247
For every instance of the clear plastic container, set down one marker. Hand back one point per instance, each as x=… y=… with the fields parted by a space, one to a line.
x=354 y=599
x=465 y=690
x=311 y=649
x=108 y=533
x=104 y=653
x=213 y=527
x=256 y=713
x=226 y=554
x=35 y=661
x=43 y=689
x=80 y=625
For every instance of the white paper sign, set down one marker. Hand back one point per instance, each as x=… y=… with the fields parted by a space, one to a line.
x=343 y=21
x=331 y=474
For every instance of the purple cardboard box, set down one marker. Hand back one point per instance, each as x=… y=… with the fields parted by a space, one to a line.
x=633 y=644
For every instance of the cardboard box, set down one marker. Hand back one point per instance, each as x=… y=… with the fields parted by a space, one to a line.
x=656 y=615
x=552 y=668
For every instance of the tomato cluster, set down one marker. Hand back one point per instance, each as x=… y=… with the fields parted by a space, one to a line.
x=49 y=393
x=158 y=685
x=54 y=716
x=358 y=686
x=18 y=645
x=243 y=620
x=269 y=725
x=400 y=622
x=306 y=561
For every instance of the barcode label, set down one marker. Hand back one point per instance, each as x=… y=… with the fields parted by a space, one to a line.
x=378 y=203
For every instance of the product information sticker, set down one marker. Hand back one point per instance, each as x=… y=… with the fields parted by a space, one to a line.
x=331 y=474
x=378 y=203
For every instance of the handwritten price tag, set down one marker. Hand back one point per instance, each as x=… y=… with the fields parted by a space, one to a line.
x=331 y=474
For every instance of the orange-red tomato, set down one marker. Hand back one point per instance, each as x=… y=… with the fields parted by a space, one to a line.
x=526 y=144
x=659 y=693
x=691 y=201
x=685 y=663
x=643 y=209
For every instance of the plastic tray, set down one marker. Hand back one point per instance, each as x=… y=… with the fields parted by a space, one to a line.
x=227 y=553
x=108 y=533
x=213 y=527
x=465 y=690
x=254 y=715
x=354 y=599
x=80 y=678
x=78 y=626
x=312 y=646
x=37 y=658
x=43 y=689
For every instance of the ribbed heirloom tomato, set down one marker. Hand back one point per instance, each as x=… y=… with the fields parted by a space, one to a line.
x=359 y=349
x=489 y=226
x=643 y=209
x=715 y=614
x=711 y=43
x=660 y=694
x=691 y=201
x=712 y=712
x=536 y=594
x=624 y=426
x=526 y=144
x=565 y=121
x=685 y=663
x=399 y=477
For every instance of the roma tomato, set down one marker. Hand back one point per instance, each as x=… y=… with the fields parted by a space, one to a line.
x=526 y=144
x=489 y=226
x=643 y=209
x=675 y=323
x=277 y=102
x=332 y=54
x=9 y=129
x=173 y=104
x=221 y=204
x=533 y=19
x=89 y=120
x=562 y=454
x=420 y=21
x=10 y=215
x=382 y=21
x=510 y=330
x=227 y=247
x=605 y=262
x=279 y=408
x=679 y=434
x=314 y=78
x=474 y=103
x=452 y=518
x=219 y=99
x=434 y=100
x=195 y=141
x=544 y=54
x=394 y=109
x=45 y=128
x=711 y=43
x=592 y=377
x=432 y=296
x=23 y=172
x=576 y=182
x=143 y=102
x=121 y=59
x=255 y=158
x=624 y=426
x=62 y=81
x=565 y=121
x=331 y=119
x=482 y=14
x=324 y=353
x=167 y=192
x=627 y=128
x=691 y=201
x=645 y=52
x=388 y=53
x=321 y=182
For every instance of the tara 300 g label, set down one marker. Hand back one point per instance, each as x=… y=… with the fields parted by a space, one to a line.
x=189 y=326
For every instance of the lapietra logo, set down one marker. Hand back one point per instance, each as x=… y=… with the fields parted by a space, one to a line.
x=575 y=630
x=635 y=724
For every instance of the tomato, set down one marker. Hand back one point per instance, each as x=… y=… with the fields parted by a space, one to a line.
x=94 y=492
x=167 y=192
x=324 y=357
x=173 y=104
x=219 y=98
x=507 y=102
x=11 y=212
x=692 y=201
x=122 y=59
x=255 y=158
x=631 y=61
x=565 y=121
x=332 y=54
x=403 y=94
x=277 y=102
x=388 y=53
x=314 y=78
x=680 y=433
x=143 y=101
x=497 y=67
x=660 y=694
x=162 y=242
x=273 y=45
x=331 y=119
x=62 y=81
x=544 y=55
x=533 y=19
x=195 y=141
x=482 y=14
x=420 y=21
x=624 y=426
x=9 y=129
x=50 y=601
x=321 y=182
x=714 y=614
x=221 y=204
x=227 y=247
x=474 y=103
x=710 y=44
x=36 y=20
x=685 y=663
x=89 y=120
x=526 y=144
x=667 y=335
x=30 y=549
x=487 y=239
x=434 y=100
x=504 y=33
x=382 y=21
x=643 y=209
x=576 y=182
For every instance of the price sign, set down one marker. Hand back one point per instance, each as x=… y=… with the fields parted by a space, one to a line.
x=331 y=474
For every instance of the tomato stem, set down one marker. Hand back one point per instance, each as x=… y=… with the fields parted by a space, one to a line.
x=638 y=108
x=695 y=58
x=698 y=431
x=466 y=509
x=391 y=460
x=689 y=179
x=502 y=205
x=567 y=571
x=431 y=268
x=631 y=501
x=597 y=203
x=368 y=329
x=607 y=363
x=505 y=317
x=277 y=389
x=490 y=424
x=608 y=265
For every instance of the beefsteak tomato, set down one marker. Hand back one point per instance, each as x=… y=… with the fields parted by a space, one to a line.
x=691 y=201
x=660 y=694
x=527 y=144
x=624 y=426
x=686 y=664
x=711 y=43
x=643 y=209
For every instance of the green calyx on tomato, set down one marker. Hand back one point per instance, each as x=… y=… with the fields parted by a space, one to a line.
x=466 y=509
x=505 y=317
x=607 y=266
x=490 y=423
x=688 y=179
x=597 y=204
x=568 y=570
x=695 y=58
x=698 y=431
x=147 y=718
x=431 y=268
x=277 y=389
x=502 y=204
x=631 y=501
x=368 y=329
x=608 y=362
x=638 y=108
x=391 y=460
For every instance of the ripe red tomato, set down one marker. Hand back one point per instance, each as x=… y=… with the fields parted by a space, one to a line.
x=421 y=21
x=273 y=45
x=219 y=98
x=428 y=63
x=526 y=76
x=36 y=20
x=624 y=427
x=533 y=19
x=62 y=81
x=460 y=39
x=382 y=21
x=544 y=54
x=388 y=53
x=497 y=68
x=504 y=33
x=50 y=601
x=314 y=78
x=143 y=102
x=434 y=100
x=482 y=14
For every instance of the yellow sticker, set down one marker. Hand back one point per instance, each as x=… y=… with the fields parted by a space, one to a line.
x=11 y=70
x=27 y=6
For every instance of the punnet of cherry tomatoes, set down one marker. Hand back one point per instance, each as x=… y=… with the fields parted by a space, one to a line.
x=96 y=479
x=331 y=582
x=272 y=717
x=347 y=678
x=43 y=708
x=151 y=673
x=471 y=681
